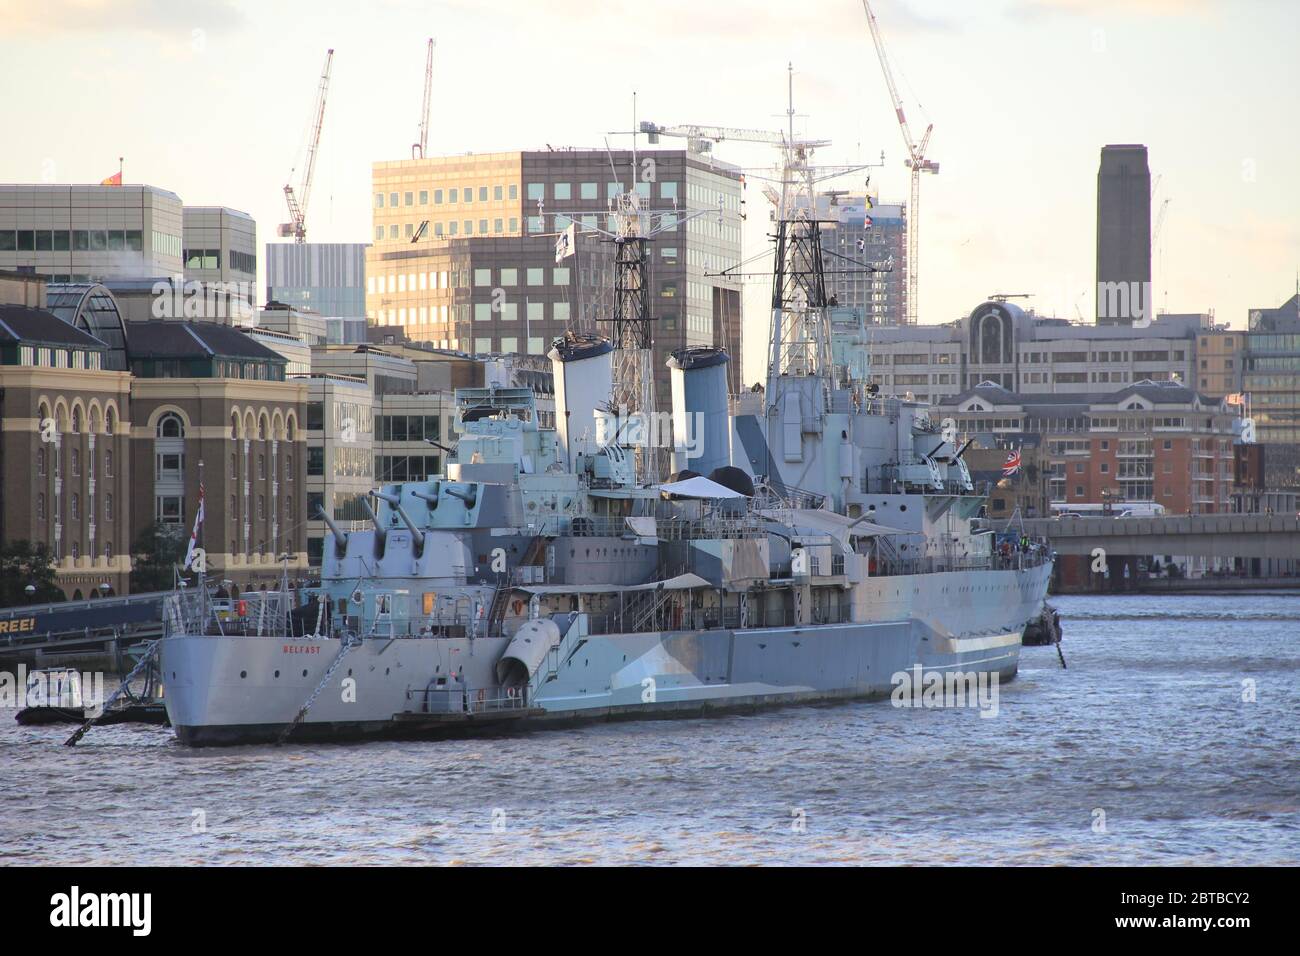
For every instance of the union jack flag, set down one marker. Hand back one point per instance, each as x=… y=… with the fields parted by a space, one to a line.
x=1012 y=467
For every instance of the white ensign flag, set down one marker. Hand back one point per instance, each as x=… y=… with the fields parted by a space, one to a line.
x=565 y=242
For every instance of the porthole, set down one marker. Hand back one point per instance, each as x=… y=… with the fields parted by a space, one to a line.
x=242 y=675
x=277 y=673
x=304 y=673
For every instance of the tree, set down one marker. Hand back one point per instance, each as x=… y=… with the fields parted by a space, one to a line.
x=23 y=563
x=154 y=555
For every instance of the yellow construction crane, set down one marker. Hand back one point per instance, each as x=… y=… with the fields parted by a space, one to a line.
x=297 y=200
x=916 y=161
x=418 y=148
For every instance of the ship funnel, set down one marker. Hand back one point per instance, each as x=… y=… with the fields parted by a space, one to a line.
x=701 y=414
x=583 y=365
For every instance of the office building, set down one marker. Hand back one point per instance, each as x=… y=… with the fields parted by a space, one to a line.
x=1148 y=441
x=90 y=233
x=207 y=393
x=1000 y=342
x=65 y=434
x=1271 y=383
x=463 y=248
x=220 y=246
x=327 y=278
x=864 y=249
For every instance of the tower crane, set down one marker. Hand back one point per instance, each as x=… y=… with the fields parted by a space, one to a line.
x=297 y=200
x=916 y=161
x=418 y=148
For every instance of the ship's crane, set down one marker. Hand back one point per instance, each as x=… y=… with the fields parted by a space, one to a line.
x=297 y=200
x=417 y=149
x=916 y=161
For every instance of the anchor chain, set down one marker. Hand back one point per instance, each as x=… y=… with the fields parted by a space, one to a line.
x=349 y=642
x=145 y=661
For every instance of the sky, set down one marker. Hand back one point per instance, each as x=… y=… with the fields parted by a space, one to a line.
x=212 y=100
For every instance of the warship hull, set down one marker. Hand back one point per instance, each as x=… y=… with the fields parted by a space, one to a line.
x=223 y=690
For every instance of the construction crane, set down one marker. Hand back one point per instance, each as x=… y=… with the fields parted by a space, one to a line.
x=1160 y=249
x=916 y=162
x=700 y=139
x=297 y=200
x=418 y=148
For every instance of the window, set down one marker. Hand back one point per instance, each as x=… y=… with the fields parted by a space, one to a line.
x=170 y=426
x=482 y=194
x=108 y=464
x=509 y=277
x=535 y=224
x=169 y=509
x=424 y=197
x=668 y=190
x=379 y=200
x=560 y=275
x=453 y=195
x=536 y=191
x=497 y=192
x=482 y=277
x=40 y=507
x=392 y=199
x=261 y=466
x=482 y=311
x=76 y=462
x=563 y=190
x=437 y=197
x=536 y=276
x=74 y=506
x=108 y=507
x=40 y=462
x=514 y=191
x=467 y=194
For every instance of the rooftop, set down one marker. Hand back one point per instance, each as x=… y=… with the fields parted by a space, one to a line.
x=170 y=339
x=20 y=323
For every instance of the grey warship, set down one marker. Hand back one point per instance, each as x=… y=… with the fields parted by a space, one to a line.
x=815 y=540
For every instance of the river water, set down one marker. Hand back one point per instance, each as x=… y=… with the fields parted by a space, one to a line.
x=1143 y=751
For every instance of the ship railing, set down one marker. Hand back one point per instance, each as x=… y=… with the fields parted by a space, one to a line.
x=675 y=618
x=713 y=527
x=459 y=698
x=934 y=564
x=767 y=497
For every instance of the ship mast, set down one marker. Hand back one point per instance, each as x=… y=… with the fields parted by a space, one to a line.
x=800 y=337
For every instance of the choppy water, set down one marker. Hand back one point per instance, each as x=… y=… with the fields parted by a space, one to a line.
x=1147 y=725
